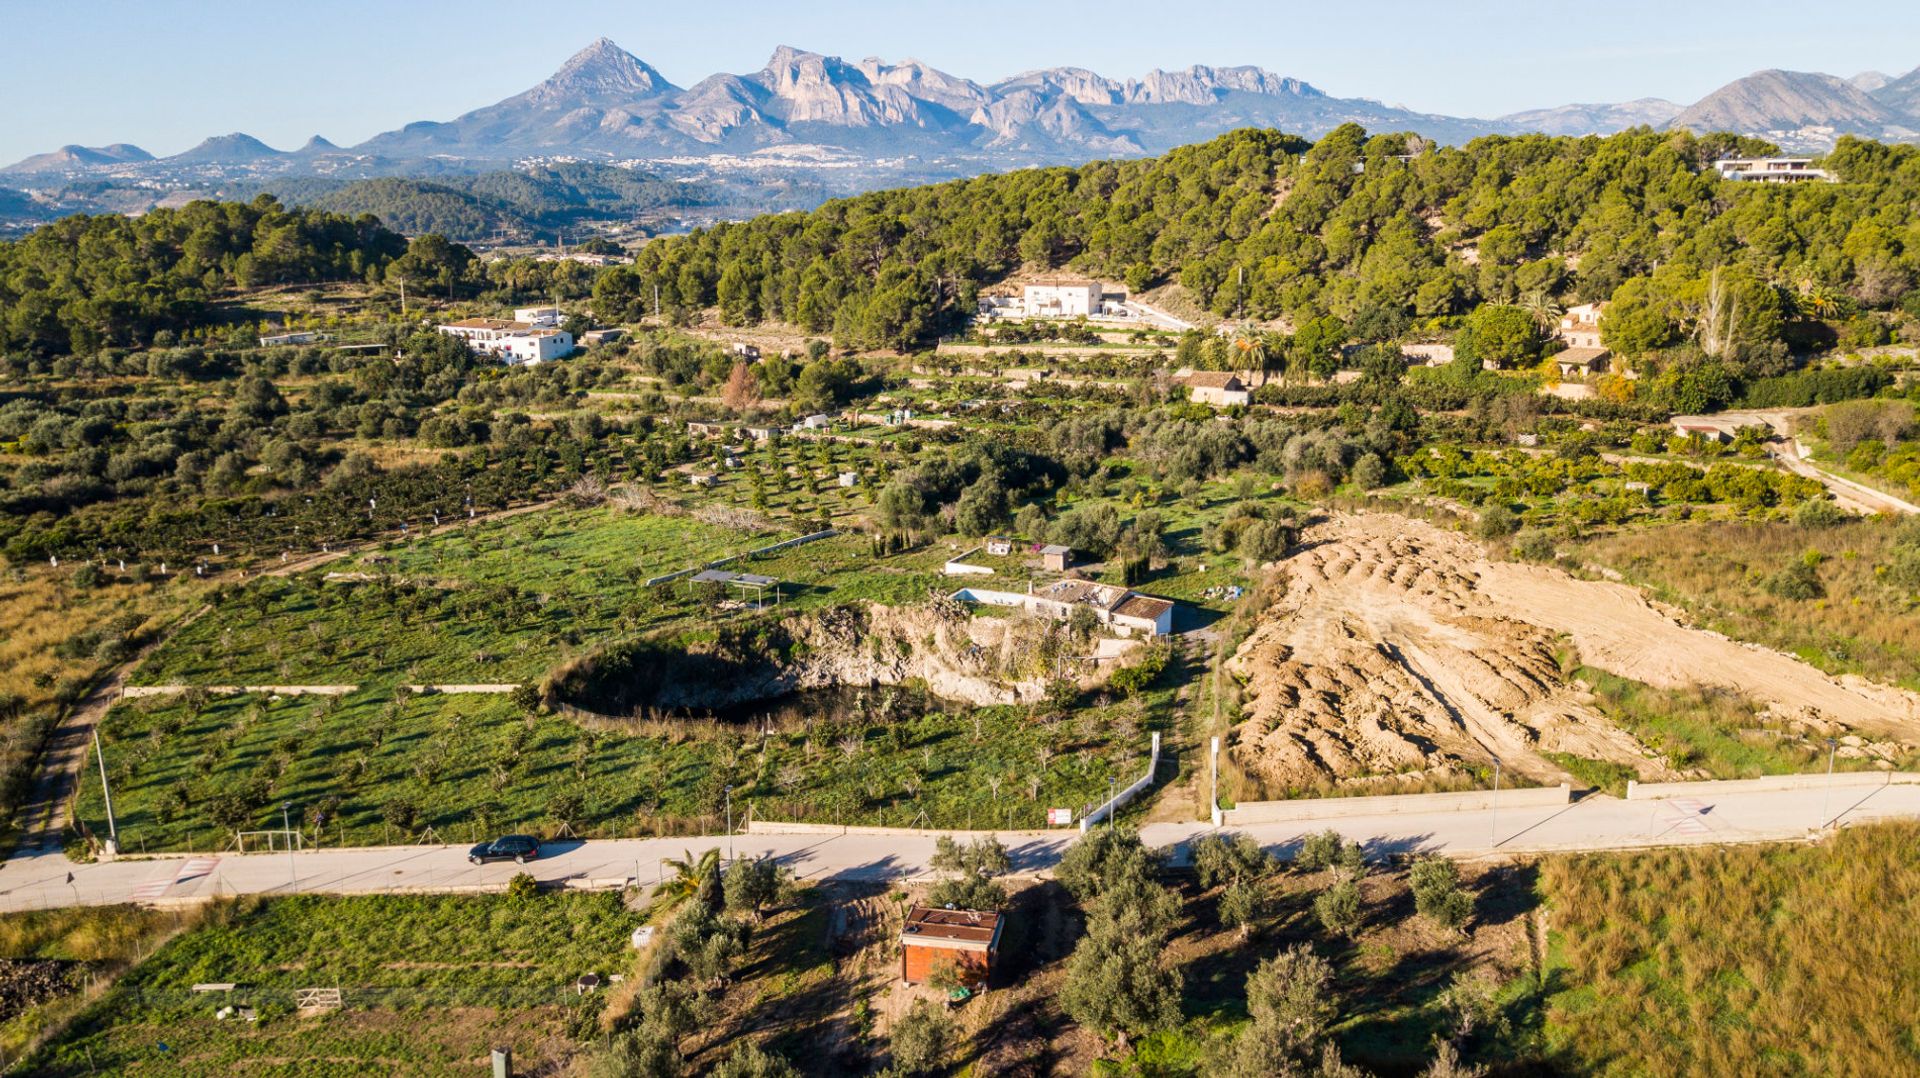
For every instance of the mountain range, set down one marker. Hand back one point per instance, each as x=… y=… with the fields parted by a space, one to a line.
x=847 y=125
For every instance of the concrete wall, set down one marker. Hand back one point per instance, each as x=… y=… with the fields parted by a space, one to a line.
x=1128 y=794
x=1326 y=808
x=1654 y=791
x=777 y=827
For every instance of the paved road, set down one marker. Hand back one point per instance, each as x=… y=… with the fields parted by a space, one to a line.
x=33 y=880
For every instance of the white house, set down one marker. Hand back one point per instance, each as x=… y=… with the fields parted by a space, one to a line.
x=1584 y=354
x=1062 y=298
x=512 y=342
x=538 y=316
x=1123 y=610
x=1772 y=170
x=297 y=337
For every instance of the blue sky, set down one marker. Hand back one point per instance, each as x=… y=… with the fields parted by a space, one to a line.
x=166 y=73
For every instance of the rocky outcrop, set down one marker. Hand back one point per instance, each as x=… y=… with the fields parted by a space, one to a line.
x=957 y=657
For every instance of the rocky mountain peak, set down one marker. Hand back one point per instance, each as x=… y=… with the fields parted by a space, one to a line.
x=603 y=70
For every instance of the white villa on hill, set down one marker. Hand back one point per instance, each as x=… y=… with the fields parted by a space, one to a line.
x=512 y=342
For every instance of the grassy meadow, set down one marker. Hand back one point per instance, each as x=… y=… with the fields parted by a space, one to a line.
x=1781 y=959
x=1717 y=573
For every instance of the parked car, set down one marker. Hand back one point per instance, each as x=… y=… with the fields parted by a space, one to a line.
x=516 y=848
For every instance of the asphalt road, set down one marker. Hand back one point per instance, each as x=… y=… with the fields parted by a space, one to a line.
x=36 y=879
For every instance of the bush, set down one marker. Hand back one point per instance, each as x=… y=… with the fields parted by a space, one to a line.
x=1818 y=513
x=1437 y=896
x=1497 y=522
x=1534 y=546
x=1338 y=908
x=1798 y=582
x=523 y=887
x=921 y=1039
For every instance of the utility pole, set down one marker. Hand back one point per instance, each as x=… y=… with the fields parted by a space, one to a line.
x=1826 y=802
x=1493 y=828
x=1110 y=808
x=113 y=832
x=293 y=869
x=729 y=825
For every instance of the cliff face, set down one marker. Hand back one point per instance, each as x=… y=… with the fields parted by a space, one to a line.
x=977 y=661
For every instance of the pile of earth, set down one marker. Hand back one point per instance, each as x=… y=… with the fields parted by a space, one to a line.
x=1398 y=648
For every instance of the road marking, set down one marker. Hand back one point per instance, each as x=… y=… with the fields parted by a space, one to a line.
x=191 y=869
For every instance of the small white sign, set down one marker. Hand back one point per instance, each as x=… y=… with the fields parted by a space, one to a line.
x=1059 y=817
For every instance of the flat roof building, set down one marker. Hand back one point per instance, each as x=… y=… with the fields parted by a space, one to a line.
x=966 y=941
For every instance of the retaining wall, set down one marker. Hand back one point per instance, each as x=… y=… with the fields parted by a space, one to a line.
x=230 y=690
x=1654 y=791
x=1327 y=808
x=777 y=827
x=1103 y=811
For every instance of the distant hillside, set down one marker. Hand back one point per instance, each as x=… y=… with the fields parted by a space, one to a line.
x=1783 y=103
x=1600 y=119
x=536 y=201
x=68 y=158
x=411 y=207
x=1366 y=230
x=1901 y=94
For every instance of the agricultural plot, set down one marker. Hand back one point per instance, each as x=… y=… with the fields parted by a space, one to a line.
x=502 y=604
x=368 y=770
x=498 y=603
x=427 y=985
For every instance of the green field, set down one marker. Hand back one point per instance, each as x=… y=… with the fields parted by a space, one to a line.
x=373 y=770
x=429 y=984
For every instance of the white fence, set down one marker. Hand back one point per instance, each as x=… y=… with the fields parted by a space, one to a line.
x=1106 y=809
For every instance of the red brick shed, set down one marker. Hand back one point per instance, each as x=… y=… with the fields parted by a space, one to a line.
x=966 y=939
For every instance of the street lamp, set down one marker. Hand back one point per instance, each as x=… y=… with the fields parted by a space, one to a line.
x=1826 y=801
x=1109 y=804
x=729 y=824
x=293 y=867
x=1493 y=827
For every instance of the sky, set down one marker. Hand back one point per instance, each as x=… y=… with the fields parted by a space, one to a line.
x=164 y=74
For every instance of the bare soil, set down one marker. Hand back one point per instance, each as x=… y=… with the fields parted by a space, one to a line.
x=1399 y=648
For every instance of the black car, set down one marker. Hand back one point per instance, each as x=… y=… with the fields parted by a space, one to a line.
x=516 y=848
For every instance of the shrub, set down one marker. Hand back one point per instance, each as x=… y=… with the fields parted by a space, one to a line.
x=1437 y=896
x=1497 y=522
x=1338 y=908
x=1798 y=582
x=523 y=887
x=1534 y=546
x=921 y=1039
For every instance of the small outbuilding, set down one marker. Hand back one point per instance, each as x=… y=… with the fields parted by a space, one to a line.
x=966 y=941
x=1056 y=558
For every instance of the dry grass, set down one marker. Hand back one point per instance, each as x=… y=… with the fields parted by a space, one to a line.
x=1715 y=572
x=41 y=611
x=1750 y=960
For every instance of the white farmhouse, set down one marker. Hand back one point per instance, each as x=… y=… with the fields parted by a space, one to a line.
x=538 y=316
x=512 y=342
x=1062 y=298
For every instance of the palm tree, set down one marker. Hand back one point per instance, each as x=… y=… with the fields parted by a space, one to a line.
x=694 y=878
x=1543 y=308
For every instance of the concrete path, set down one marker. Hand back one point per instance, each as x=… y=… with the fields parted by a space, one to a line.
x=39 y=878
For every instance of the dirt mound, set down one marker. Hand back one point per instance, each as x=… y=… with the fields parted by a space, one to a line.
x=1397 y=648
